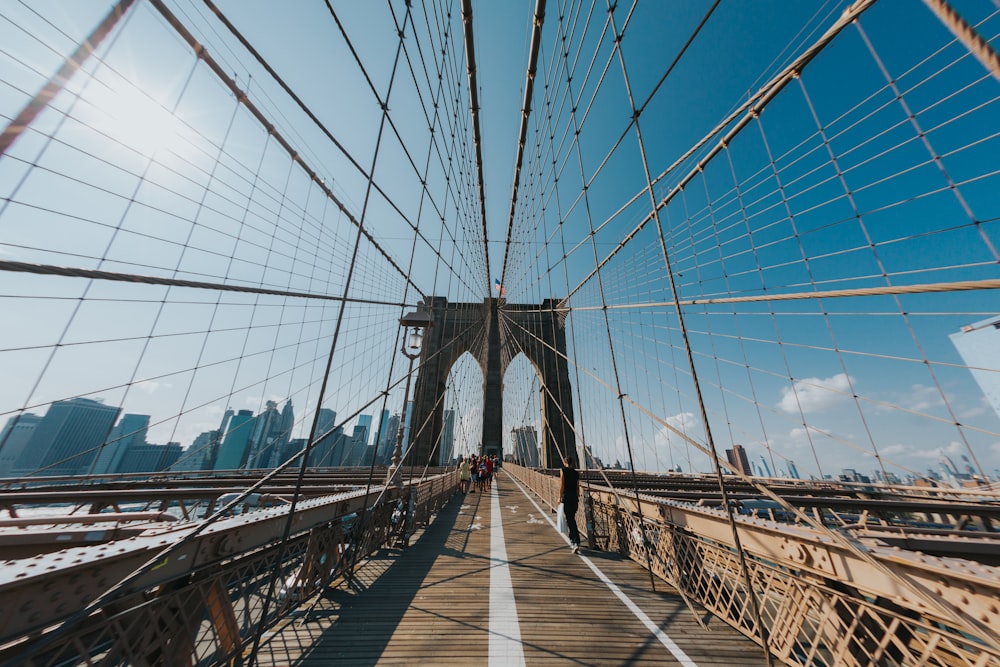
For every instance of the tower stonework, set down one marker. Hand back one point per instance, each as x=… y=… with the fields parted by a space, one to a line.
x=494 y=333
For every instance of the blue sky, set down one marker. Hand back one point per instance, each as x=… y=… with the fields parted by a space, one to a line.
x=198 y=190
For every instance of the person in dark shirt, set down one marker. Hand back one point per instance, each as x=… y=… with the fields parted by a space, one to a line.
x=569 y=494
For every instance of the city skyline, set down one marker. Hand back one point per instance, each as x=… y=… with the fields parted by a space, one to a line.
x=782 y=262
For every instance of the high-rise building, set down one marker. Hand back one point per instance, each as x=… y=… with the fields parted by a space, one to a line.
x=128 y=433
x=269 y=434
x=737 y=457
x=447 y=437
x=294 y=446
x=382 y=440
x=14 y=437
x=67 y=439
x=358 y=444
x=235 y=444
x=150 y=458
x=280 y=448
x=385 y=453
x=979 y=346
x=767 y=468
x=406 y=425
x=322 y=451
x=196 y=456
x=526 y=446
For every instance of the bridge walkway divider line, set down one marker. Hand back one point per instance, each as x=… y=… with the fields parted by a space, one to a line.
x=430 y=602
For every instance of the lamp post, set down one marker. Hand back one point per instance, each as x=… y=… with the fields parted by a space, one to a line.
x=415 y=323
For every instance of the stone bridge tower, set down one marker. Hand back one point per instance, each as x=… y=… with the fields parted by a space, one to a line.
x=494 y=332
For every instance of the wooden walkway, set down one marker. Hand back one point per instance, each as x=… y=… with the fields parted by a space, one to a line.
x=450 y=599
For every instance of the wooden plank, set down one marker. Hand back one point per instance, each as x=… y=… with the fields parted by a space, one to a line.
x=430 y=603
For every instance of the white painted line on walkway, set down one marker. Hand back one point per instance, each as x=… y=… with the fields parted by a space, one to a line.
x=505 y=630
x=633 y=607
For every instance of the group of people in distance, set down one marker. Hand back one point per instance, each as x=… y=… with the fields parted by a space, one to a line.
x=476 y=472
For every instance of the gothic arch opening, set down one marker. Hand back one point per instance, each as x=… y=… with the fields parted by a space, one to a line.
x=493 y=333
x=522 y=412
x=462 y=423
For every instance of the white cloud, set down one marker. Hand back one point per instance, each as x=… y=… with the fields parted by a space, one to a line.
x=922 y=398
x=953 y=448
x=892 y=450
x=685 y=422
x=815 y=394
x=801 y=434
x=151 y=386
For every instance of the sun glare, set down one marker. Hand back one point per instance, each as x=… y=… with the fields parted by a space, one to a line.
x=135 y=120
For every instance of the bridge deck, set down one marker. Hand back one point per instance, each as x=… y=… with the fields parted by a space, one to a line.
x=447 y=600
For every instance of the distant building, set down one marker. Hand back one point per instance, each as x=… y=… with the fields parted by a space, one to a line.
x=852 y=475
x=406 y=425
x=979 y=346
x=793 y=472
x=322 y=451
x=14 y=437
x=447 y=438
x=129 y=432
x=385 y=455
x=280 y=436
x=150 y=458
x=265 y=426
x=67 y=439
x=525 y=446
x=196 y=456
x=294 y=446
x=737 y=457
x=382 y=440
x=767 y=468
x=358 y=443
x=235 y=445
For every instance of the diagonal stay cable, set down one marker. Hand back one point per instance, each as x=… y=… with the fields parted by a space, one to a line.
x=529 y=87
x=735 y=121
x=854 y=547
x=204 y=56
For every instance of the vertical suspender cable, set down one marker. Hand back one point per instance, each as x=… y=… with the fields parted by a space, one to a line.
x=529 y=87
x=470 y=59
x=741 y=554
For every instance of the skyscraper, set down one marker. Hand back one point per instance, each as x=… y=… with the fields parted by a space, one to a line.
x=737 y=457
x=358 y=442
x=979 y=346
x=526 y=446
x=196 y=456
x=383 y=440
x=385 y=453
x=269 y=435
x=406 y=425
x=14 y=437
x=149 y=458
x=129 y=432
x=235 y=444
x=325 y=438
x=68 y=437
x=447 y=437
x=767 y=468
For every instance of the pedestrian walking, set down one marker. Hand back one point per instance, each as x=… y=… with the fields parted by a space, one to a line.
x=569 y=496
x=464 y=474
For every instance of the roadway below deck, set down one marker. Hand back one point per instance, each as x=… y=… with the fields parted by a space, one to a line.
x=491 y=582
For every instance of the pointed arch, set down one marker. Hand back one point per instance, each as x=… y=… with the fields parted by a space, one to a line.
x=494 y=332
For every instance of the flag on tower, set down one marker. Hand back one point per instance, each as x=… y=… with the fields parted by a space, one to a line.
x=499 y=288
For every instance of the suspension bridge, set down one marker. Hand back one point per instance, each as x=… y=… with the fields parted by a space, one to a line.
x=268 y=274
